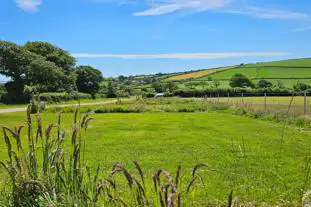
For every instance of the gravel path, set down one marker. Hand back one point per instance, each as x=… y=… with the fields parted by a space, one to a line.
x=11 y=110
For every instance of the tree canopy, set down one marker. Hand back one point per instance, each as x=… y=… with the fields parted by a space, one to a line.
x=88 y=79
x=38 y=65
x=240 y=80
x=51 y=53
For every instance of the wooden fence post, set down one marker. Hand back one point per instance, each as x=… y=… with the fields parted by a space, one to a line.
x=305 y=104
x=265 y=102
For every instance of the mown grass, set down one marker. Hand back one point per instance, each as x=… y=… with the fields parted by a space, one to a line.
x=197 y=74
x=257 y=159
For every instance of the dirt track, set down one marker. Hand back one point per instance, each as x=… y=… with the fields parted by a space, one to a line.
x=11 y=110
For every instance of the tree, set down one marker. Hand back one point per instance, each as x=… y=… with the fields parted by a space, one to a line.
x=240 y=80
x=15 y=63
x=53 y=54
x=301 y=87
x=47 y=77
x=170 y=86
x=88 y=79
x=216 y=83
x=280 y=84
x=158 y=87
x=204 y=84
x=264 y=84
x=111 y=90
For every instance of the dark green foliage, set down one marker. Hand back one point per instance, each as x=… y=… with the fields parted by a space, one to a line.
x=111 y=90
x=301 y=87
x=63 y=97
x=15 y=61
x=15 y=93
x=37 y=65
x=47 y=77
x=53 y=54
x=223 y=92
x=161 y=87
x=264 y=84
x=240 y=80
x=88 y=79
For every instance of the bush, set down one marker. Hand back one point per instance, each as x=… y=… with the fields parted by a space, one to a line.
x=62 y=97
x=36 y=106
x=223 y=92
x=301 y=87
x=240 y=80
x=149 y=95
x=264 y=84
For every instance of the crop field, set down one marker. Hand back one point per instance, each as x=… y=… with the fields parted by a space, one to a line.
x=268 y=73
x=197 y=74
x=255 y=158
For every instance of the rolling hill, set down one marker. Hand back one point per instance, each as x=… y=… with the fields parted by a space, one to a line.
x=289 y=72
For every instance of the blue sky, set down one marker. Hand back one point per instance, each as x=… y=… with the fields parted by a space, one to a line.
x=148 y=36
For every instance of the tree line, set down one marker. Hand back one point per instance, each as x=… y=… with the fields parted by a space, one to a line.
x=40 y=67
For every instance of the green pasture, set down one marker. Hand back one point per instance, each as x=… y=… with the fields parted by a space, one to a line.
x=255 y=158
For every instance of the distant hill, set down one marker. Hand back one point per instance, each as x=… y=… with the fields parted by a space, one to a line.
x=289 y=72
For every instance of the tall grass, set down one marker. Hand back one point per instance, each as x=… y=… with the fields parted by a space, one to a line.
x=42 y=173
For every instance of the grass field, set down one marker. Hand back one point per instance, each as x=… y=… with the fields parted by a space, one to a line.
x=197 y=74
x=268 y=73
x=289 y=72
x=249 y=156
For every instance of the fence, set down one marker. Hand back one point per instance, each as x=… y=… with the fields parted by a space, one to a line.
x=298 y=104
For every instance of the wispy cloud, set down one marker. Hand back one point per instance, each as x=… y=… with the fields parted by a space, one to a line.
x=182 y=55
x=303 y=29
x=160 y=7
x=266 y=13
x=29 y=5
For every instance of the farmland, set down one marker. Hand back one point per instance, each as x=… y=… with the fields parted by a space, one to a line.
x=288 y=72
x=253 y=157
x=197 y=74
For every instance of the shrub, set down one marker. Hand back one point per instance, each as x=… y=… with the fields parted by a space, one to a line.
x=264 y=84
x=63 y=97
x=36 y=106
x=149 y=95
x=223 y=92
x=301 y=87
x=240 y=80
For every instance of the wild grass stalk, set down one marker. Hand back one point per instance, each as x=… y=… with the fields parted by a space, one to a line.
x=44 y=174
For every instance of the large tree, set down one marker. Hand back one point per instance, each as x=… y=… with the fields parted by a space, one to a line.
x=15 y=63
x=15 y=60
x=53 y=54
x=88 y=79
x=48 y=77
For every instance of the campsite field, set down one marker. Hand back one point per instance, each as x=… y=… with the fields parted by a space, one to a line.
x=253 y=157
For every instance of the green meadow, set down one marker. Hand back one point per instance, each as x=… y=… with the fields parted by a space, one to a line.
x=260 y=160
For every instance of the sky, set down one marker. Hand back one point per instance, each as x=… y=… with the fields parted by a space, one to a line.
x=129 y=37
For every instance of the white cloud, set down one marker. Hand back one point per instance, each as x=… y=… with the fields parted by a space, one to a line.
x=29 y=5
x=164 y=7
x=266 y=13
x=303 y=29
x=182 y=55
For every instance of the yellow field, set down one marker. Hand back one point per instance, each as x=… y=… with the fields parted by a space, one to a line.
x=197 y=74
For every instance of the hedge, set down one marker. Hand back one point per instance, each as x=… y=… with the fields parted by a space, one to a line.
x=232 y=92
x=63 y=97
